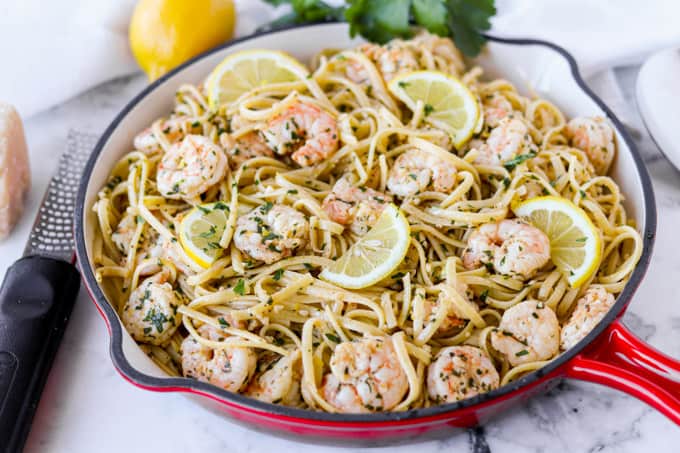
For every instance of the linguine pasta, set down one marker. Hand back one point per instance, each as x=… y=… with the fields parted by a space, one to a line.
x=260 y=321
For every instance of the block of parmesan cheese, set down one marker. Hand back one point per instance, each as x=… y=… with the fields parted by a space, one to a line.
x=15 y=173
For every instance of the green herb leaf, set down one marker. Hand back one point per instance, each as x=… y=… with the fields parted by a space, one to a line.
x=333 y=338
x=265 y=208
x=304 y=11
x=379 y=20
x=432 y=15
x=512 y=163
x=240 y=287
x=383 y=20
x=466 y=20
x=278 y=274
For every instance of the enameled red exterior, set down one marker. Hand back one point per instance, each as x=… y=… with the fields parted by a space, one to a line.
x=620 y=360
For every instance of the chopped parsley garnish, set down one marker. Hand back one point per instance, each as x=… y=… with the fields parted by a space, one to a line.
x=512 y=163
x=156 y=318
x=265 y=208
x=278 y=274
x=240 y=287
x=333 y=338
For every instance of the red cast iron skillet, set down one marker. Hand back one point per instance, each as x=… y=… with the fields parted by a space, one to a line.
x=610 y=355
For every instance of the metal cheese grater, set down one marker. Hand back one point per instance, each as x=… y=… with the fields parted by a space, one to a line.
x=37 y=296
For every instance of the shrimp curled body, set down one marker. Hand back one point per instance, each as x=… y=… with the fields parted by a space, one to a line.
x=247 y=146
x=416 y=170
x=150 y=315
x=173 y=130
x=590 y=309
x=507 y=140
x=596 y=138
x=280 y=383
x=528 y=331
x=460 y=372
x=190 y=168
x=365 y=376
x=512 y=247
x=358 y=207
x=229 y=367
x=271 y=232
x=305 y=131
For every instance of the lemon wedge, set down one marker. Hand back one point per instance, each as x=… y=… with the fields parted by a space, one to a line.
x=575 y=243
x=375 y=255
x=201 y=231
x=449 y=105
x=243 y=71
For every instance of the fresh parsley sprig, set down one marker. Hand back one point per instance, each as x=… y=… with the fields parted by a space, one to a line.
x=381 y=20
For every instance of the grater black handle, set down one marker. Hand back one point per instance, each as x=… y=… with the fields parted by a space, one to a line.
x=36 y=299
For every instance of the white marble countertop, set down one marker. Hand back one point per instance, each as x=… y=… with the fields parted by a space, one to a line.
x=87 y=406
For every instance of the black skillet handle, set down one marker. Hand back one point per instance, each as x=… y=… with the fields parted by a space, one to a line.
x=36 y=299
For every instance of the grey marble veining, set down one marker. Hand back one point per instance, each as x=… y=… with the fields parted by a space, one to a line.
x=88 y=407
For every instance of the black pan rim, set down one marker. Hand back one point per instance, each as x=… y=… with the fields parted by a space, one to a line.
x=322 y=418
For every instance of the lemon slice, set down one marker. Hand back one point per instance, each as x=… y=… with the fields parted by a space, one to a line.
x=575 y=243
x=449 y=105
x=201 y=231
x=375 y=255
x=243 y=71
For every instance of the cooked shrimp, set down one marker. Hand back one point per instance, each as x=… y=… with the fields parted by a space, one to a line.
x=280 y=383
x=358 y=207
x=452 y=320
x=460 y=372
x=170 y=250
x=511 y=246
x=365 y=376
x=173 y=129
x=595 y=136
x=496 y=107
x=390 y=59
x=305 y=130
x=124 y=233
x=590 y=309
x=244 y=147
x=150 y=314
x=190 y=168
x=416 y=170
x=271 y=232
x=228 y=367
x=528 y=331
x=506 y=141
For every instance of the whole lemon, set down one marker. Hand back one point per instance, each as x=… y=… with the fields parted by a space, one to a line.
x=166 y=33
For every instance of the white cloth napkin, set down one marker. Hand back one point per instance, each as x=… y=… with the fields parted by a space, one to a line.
x=53 y=50
x=599 y=33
